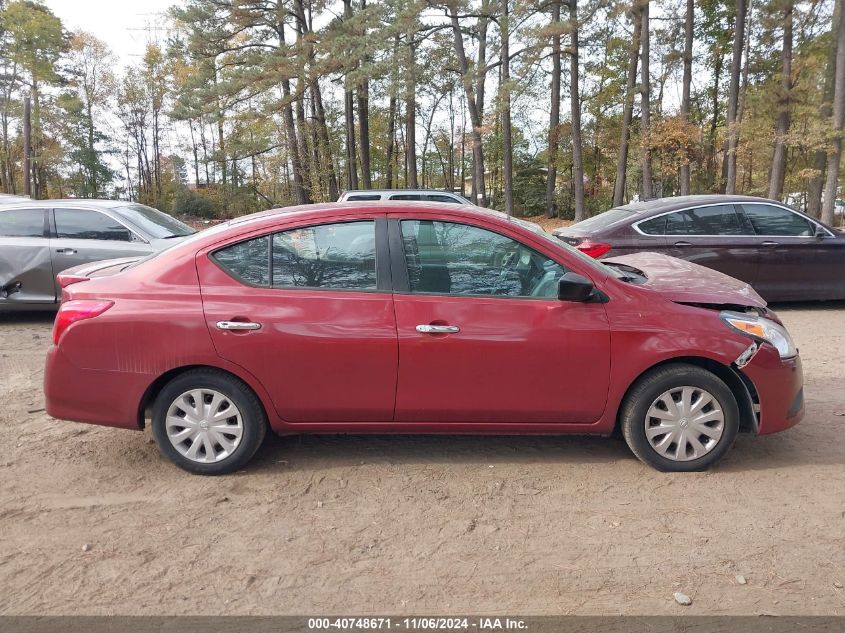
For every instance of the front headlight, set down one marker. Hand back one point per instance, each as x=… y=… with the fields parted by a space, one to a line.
x=761 y=329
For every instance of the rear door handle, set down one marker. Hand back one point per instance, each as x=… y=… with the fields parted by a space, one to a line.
x=768 y=243
x=438 y=329
x=683 y=244
x=66 y=251
x=238 y=326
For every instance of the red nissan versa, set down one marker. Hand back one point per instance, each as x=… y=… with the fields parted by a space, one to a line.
x=415 y=318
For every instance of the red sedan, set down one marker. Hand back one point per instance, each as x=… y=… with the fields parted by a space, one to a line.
x=415 y=318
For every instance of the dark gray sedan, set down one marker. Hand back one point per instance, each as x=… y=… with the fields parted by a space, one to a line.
x=41 y=238
x=784 y=254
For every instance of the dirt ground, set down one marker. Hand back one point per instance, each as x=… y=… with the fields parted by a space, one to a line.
x=94 y=521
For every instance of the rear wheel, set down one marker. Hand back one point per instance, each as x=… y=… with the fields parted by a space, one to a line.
x=680 y=417
x=208 y=422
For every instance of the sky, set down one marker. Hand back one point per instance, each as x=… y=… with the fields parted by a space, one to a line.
x=122 y=24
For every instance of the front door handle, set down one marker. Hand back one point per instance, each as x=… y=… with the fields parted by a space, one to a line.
x=768 y=243
x=438 y=329
x=683 y=244
x=238 y=326
x=66 y=251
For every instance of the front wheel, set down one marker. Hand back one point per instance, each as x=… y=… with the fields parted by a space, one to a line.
x=680 y=418
x=208 y=422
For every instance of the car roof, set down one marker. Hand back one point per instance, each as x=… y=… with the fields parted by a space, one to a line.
x=682 y=202
x=307 y=211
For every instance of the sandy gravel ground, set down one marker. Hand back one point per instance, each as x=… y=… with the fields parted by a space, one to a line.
x=93 y=521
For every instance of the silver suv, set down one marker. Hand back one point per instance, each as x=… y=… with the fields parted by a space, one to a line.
x=408 y=195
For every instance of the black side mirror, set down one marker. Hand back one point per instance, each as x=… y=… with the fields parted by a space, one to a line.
x=574 y=287
x=820 y=232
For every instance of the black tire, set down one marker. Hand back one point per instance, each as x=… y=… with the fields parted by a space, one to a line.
x=253 y=416
x=648 y=388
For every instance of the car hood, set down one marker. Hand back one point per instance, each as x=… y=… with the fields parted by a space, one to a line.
x=685 y=282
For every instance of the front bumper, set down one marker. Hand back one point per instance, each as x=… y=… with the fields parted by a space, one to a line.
x=109 y=398
x=780 y=389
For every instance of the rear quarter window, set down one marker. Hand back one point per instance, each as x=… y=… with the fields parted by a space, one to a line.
x=247 y=261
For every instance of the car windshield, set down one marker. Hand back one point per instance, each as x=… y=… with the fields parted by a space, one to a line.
x=603 y=220
x=154 y=223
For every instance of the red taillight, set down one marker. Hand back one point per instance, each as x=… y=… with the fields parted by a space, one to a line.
x=66 y=280
x=593 y=249
x=77 y=310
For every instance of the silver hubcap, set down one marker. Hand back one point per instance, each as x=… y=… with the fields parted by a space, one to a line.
x=684 y=423
x=204 y=425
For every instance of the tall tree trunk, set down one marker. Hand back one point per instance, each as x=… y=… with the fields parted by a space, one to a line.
x=714 y=121
x=689 y=24
x=364 y=131
x=554 y=115
x=575 y=114
x=478 y=186
x=195 y=153
x=504 y=87
x=351 y=158
x=325 y=141
x=300 y=192
x=743 y=91
x=411 y=117
x=349 y=115
x=221 y=141
x=778 y=171
x=645 y=97
x=733 y=96
x=364 y=125
x=628 y=109
x=832 y=181
x=391 y=141
x=817 y=181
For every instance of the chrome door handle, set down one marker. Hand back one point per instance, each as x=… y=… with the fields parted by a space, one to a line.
x=683 y=244
x=238 y=326
x=768 y=243
x=438 y=329
x=66 y=251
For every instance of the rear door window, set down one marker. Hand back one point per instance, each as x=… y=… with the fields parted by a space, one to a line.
x=770 y=220
x=84 y=224
x=329 y=256
x=412 y=197
x=338 y=256
x=720 y=219
x=22 y=223
x=364 y=197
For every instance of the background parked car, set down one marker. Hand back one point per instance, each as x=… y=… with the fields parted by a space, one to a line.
x=407 y=195
x=41 y=238
x=784 y=254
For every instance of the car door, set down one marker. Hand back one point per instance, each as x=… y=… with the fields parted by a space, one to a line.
x=81 y=236
x=716 y=237
x=795 y=264
x=308 y=311
x=26 y=272
x=482 y=335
